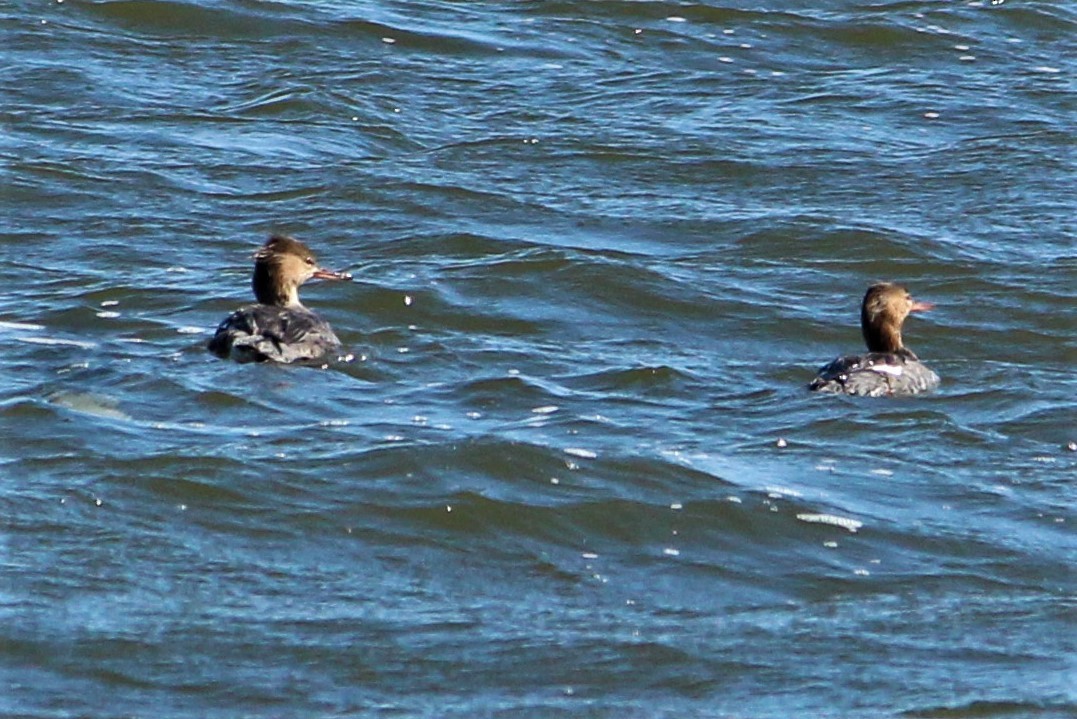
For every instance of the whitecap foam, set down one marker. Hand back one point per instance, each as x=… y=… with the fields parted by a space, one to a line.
x=579 y=452
x=844 y=522
x=55 y=341
x=19 y=326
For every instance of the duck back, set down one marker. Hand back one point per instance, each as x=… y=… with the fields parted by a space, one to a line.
x=267 y=333
x=876 y=374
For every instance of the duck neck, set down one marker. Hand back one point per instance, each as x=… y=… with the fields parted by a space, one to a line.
x=271 y=289
x=881 y=334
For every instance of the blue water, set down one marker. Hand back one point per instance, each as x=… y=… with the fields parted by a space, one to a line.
x=570 y=467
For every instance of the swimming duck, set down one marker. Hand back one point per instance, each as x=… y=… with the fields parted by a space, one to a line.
x=278 y=328
x=889 y=368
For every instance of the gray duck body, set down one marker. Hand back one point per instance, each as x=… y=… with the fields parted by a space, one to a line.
x=265 y=333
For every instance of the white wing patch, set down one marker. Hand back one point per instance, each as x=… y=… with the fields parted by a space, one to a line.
x=891 y=369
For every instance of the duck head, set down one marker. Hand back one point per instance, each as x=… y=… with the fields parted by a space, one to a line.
x=281 y=265
x=885 y=307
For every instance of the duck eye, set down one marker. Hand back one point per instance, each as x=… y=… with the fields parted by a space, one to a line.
x=309 y=261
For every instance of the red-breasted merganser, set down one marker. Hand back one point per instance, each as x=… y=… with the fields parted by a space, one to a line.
x=889 y=368
x=279 y=328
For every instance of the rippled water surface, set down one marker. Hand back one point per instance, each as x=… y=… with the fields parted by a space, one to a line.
x=571 y=468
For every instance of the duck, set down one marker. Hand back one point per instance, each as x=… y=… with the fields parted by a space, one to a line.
x=889 y=368
x=278 y=328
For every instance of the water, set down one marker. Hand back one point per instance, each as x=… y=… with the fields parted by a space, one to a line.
x=572 y=469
